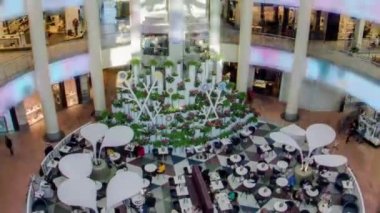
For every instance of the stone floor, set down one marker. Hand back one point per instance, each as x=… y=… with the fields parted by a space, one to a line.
x=28 y=146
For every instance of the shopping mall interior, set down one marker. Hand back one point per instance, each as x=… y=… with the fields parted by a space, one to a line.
x=190 y=106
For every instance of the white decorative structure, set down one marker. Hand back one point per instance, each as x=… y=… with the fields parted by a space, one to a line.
x=78 y=192
x=319 y=135
x=94 y=133
x=117 y=136
x=282 y=138
x=78 y=165
x=122 y=186
x=330 y=160
x=296 y=132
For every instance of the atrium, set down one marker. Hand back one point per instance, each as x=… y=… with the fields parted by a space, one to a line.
x=173 y=106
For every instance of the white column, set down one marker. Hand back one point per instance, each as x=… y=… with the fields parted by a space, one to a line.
x=21 y=116
x=177 y=29
x=358 y=34
x=215 y=14
x=300 y=60
x=91 y=8
x=135 y=27
x=246 y=16
x=41 y=66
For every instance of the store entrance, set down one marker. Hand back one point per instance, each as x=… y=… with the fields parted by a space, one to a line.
x=267 y=82
x=230 y=71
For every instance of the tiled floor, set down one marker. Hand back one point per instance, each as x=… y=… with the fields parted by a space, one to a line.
x=15 y=171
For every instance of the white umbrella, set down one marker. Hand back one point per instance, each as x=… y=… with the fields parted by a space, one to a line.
x=78 y=192
x=330 y=160
x=76 y=165
x=117 y=136
x=93 y=133
x=285 y=139
x=319 y=135
x=294 y=131
x=122 y=186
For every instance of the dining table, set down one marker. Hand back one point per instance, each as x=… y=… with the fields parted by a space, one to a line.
x=280 y=206
x=186 y=205
x=265 y=192
x=235 y=158
x=223 y=202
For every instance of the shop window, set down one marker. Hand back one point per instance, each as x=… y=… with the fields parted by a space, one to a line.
x=155 y=44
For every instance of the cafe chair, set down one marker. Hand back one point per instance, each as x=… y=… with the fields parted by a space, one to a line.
x=155 y=153
x=176 y=206
x=186 y=171
x=150 y=202
x=218 y=144
x=48 y=150
x=173 y=194
x=235 y=209
x=171 y=181
x=223 y=174
x=230 y=163
x=40 y=205
x=229 y=149
x=338 y=181
x=350 y=208
x=252 y=129
x=348 y=198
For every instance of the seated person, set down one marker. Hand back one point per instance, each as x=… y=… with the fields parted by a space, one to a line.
x=161 y=168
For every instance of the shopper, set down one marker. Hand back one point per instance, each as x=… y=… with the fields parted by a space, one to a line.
x=8 y=143
x=352 y=130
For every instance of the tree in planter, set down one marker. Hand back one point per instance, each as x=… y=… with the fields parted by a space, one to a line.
x=153 y=62
x=241 y=96
x=168 y=63
x=135 y=61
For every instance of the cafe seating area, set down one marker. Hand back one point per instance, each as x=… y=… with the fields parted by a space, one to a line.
x=248 y=172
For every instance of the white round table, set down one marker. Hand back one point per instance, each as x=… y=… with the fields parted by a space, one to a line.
x=235 y=158
x=98 y=185
x=323 y=207
x=150 y=167
x=312 y=192
x=283 y=165
x=241 y=170
x=138 y=200
x=115 y=156
x=281 y=182
x=249 y=184
x=262 y=167
x=290 y=148
x=146 y=183
x=265 y=192
x=280 y=206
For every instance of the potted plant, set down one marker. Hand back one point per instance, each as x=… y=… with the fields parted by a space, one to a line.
x=168 y=63
x=153 y=62
x=135 y=61
x=170 y=79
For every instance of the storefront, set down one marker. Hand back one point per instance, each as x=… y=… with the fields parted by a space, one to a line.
x=266 y=82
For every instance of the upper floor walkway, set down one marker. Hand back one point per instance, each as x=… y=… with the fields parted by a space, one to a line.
x=15 y=63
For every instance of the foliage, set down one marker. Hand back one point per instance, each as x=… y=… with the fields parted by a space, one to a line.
x=354 y=50
x=213 y=73
x=155 y=96
x=140 y=94
x=153 y=62
x=177 y=96
x=187 y=80
x=175 y=74
x=120 y=118
x=194 y=63
x=135 y=61
x=118 y=103
x=168 y=63
x=170 y=79
x=231 y=86
x=241 y=96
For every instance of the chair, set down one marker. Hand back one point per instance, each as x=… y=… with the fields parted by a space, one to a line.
x=290 y=205
x=235 y=141
x=170 y=149
x=223 y=174
x=305 y=211
x=348 y=198
x=171 y=181
x=218 y=144
x=350 y=208
x=150 y=202
x=176 y=206
x=242 y=158
x=252 y=129
x=338 y=181
x=230 y=163
x=186 y=171
x=229 y=149
x=235 y=209
x=173 y=194
x=48 y=150
x=39 y=205
x=155 y=153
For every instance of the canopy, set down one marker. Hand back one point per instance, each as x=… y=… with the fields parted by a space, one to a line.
x=330 y=160
x=117 y=136
x=319 y=135
x=122 y=186
x=282 y=138
x=93 y=133
x=294 y=131
x=78 y=192
x=76 y=165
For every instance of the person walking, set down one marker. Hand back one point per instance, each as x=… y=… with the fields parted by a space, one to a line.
x=8 y=143
x=352 y=130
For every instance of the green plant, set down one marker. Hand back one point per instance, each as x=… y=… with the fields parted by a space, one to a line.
x=170 y=79
x=141 y=75
x=209 y=80
x=168 y=63
x=135 y=61
x=213 y=73
x=155 y=96
x=187 y=80
x=140 y=94
x=175 y=74
x=241 y=96
x=153 y=62
x=199 y=70
x=231 y=85
x=177 y=96
x=197 y=83
x=354 y=50
x=120 y=117
x=148 y=72
x=118 y=103
x=104 y=116
x=194 y=63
